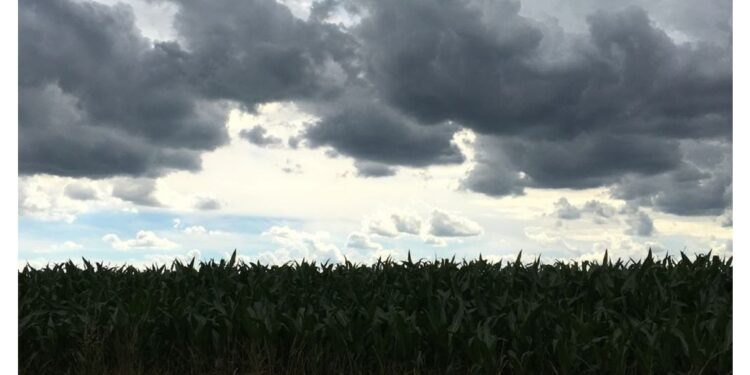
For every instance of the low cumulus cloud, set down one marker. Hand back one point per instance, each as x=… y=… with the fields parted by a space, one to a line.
x=137 y=191
x=195 y=229
x=444 y=224
x=297 y=245
x=200 y=230
x=639 y=222
x=434 y=241
x=566 y=211
x=144 y=239
x=393 y=224
x=81 y=192
x=362 y=241
x=433 y=228
x=600 y=212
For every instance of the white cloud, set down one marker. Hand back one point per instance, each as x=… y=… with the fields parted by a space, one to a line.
x=195 y=229
x=53 y=198
x=434 y=241
x=158 y=260
x=55 y=248
x=444 y=224
x=526 y=258
x=541 y=236
x=295 y=245
x=406 y=222
x=382 y=227
x=143 y=240
x=547 y=237
x=195 y=253
x=201 y=230
x=70 y=245
x=299 y=245
x=42 y=200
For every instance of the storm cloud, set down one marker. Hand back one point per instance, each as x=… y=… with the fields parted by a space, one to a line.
x=256 y=51
x=367 y=131
x=483 y=65
x=618 y=102
x=97 y=99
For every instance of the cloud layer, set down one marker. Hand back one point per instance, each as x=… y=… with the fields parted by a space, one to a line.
x=622 y=101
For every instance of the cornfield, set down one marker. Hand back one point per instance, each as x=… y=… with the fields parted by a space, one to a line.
x=652 y=316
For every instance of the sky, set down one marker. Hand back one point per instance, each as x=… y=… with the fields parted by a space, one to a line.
x=151 y=130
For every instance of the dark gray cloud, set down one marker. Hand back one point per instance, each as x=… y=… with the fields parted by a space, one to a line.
x=695 y=20
x=97 y=99
x=372 y=169
x=257 y=136
x=506 y=165
x=256 y=51
x=701 y=185
x=496 y=72
x=617 y=102
x=554 y=110
x=138 y=191
x=207 y=203
x=371 y=132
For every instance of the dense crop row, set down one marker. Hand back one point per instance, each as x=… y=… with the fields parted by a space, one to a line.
x=652 y=316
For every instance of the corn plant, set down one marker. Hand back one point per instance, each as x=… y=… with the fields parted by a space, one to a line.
x=668 y=316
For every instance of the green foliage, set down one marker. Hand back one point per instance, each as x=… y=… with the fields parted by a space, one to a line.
x=645 y=317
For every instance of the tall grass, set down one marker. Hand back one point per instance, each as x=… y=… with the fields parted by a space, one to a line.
x=635 y=317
